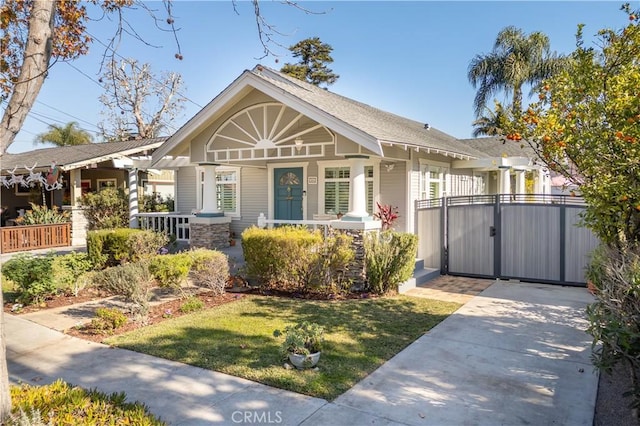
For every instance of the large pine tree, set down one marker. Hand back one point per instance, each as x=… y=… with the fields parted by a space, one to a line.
x=314 y=55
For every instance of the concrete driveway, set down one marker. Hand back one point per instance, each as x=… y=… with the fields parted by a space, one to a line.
x=515 y=354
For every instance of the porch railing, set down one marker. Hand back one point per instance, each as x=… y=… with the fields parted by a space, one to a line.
x=33 y=237
x=169 y=223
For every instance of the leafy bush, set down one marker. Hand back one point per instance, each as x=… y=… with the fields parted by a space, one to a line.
x=327 y=269
x=68 y=268
x=32 y=275
x=614 y=319
x=42 y=215
x=108 y=319
x=62 y=404
x=116 y=246
x=132 y=280
x=107 y=209
x=157 y=203
x=280 y=257
x=171 y=270
x=390 y=259
x=210 y=269
x=191 y=304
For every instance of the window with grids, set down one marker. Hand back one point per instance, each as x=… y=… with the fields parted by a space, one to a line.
x=432 y=181
x=336 y=189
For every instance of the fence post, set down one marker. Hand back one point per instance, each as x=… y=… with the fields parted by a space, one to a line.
x=563 y=241
x=444 y=235
x=497 y=237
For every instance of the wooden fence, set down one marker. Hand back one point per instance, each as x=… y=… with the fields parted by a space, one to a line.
x=32 y=237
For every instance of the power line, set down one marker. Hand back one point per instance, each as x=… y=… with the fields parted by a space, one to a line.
x=66 y=113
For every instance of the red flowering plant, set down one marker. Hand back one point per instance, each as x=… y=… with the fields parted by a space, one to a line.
x=387 y=214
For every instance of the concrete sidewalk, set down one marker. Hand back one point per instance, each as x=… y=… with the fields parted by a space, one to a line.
x=515 y=354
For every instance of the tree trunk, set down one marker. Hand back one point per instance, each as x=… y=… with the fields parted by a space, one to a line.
x=34 y=69
x=5 y=396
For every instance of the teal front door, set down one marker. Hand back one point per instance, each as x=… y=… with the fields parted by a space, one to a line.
x=288 y=193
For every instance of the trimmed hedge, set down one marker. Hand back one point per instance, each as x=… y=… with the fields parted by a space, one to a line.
x=280 y=257
x=111 y=247
x=171 y=270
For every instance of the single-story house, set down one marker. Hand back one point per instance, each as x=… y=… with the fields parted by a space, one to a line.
x=64 y=173
x=278 y=148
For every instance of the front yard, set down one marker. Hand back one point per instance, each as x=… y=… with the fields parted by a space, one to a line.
x=236 y=338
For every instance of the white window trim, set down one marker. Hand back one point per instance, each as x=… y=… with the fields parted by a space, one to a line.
x=199 y=183
x=322 y=165
x=270 y=194
x=444 y=178
x=99 y=181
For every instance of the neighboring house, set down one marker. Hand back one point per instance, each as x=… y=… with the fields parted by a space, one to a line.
x=272 y=144
x=81 y=168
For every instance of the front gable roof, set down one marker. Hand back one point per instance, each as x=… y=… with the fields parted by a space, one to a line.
x=495 y=146
x=364 y=124
x=72 y=157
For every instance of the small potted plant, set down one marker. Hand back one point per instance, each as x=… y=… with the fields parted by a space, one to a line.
x=302 y=343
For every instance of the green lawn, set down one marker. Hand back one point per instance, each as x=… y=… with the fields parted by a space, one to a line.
x=236 y=338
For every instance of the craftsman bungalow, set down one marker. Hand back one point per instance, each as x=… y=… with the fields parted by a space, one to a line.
x=275 y=147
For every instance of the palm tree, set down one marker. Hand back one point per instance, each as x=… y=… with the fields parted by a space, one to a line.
x=516 y=59
x=66 y=135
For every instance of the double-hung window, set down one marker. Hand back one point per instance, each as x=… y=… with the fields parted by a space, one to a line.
x=432 y=181
x=337 y=185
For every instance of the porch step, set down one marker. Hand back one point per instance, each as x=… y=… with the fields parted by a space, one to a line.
x=421 y=275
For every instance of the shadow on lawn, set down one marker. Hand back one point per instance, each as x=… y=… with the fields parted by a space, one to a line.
x=360 y=336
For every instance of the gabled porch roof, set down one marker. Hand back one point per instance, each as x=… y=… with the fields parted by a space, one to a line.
x=369 y=127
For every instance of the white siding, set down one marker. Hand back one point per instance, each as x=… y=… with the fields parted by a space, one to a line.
x=253 y=198
x=186 y=189
x=393 y=191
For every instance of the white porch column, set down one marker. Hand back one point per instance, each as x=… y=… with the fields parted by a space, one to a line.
x=539 y=185
x=76 y=185
x=520 y=182
x=358 y=200
x=209 y=201
x=505 y=180
x=133 y=198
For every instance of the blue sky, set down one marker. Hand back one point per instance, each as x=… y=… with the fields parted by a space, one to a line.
x=409 y=58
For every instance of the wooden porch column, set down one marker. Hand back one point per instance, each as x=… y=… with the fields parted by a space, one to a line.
x=505 y=180
x=520 y=182
x=133 y=198
x=75 y=178
x=358 y=193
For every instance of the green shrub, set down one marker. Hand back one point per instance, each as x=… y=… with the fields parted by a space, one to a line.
x=171 y=270
x=66 y=270
x=191 y=304
x=32 y=275
x=43 y=215
x=110 y=247
x=614 y=319
x=280 y=257
x=210 y=269
x=327 y=270
x=108 y=319
x=62 y=404
x=390 y=259
x=131 y=280
x=106 y=209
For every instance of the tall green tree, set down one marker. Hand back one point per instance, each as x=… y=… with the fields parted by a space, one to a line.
x=585 y=124
x=516 y=59
x=314 y=55
x=67 y=135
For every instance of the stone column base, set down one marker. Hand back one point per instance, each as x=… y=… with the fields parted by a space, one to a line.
x=209 y=232
x=357 y=270
x=78 y=225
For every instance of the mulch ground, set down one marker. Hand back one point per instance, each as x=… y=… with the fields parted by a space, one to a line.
x=157 y=314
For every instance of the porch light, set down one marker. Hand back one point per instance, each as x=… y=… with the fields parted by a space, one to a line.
x=298 y=141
